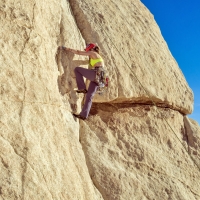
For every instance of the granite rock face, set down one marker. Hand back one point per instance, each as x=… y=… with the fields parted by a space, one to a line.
x=128 y=148
x=40 y=153
x=142 y=152
x=139 y=63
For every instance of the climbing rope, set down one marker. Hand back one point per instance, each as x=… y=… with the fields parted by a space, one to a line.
x=147 y=92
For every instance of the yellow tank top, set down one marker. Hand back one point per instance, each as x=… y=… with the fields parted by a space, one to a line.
x=94 y=61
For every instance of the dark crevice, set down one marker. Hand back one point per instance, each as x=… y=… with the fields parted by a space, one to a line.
x=71 y=7
x=113 y=107
x=82 y=22
x=25 y=149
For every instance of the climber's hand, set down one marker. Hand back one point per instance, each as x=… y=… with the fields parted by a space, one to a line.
x=64 y=48
x=61 y=48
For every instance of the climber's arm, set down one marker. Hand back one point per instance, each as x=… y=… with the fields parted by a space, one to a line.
x=83 y=53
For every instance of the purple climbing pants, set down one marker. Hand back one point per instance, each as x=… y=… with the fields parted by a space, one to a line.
x=90 y=75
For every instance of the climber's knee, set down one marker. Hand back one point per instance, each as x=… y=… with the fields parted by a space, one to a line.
x=76 y=69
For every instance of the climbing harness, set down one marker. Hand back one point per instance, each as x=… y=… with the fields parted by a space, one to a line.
x=101 y=79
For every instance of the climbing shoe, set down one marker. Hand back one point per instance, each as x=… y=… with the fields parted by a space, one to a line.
x=79 y=116
x=81 y=91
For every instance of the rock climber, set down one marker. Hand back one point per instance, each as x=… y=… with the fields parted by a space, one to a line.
x=95 y=61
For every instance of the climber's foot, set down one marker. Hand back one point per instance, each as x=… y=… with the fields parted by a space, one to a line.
x=81 y=91
x=79 y=116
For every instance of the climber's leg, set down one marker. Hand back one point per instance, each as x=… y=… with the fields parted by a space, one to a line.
x=82 y=72
x=88 y=101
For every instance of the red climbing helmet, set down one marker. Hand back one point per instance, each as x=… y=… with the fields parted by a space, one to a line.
x=89 y=47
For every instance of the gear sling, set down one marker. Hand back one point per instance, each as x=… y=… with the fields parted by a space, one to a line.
x=100 y=79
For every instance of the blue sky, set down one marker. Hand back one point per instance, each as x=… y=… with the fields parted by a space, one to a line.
x=179 y=22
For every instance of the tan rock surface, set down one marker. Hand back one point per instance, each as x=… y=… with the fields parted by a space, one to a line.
x=129 y=151
x=192 y=136
x=40 y=154
x=132 y=153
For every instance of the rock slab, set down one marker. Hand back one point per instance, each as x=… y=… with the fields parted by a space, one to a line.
x=125 y=150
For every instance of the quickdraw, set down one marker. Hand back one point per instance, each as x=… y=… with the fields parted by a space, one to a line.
x=101 y=80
